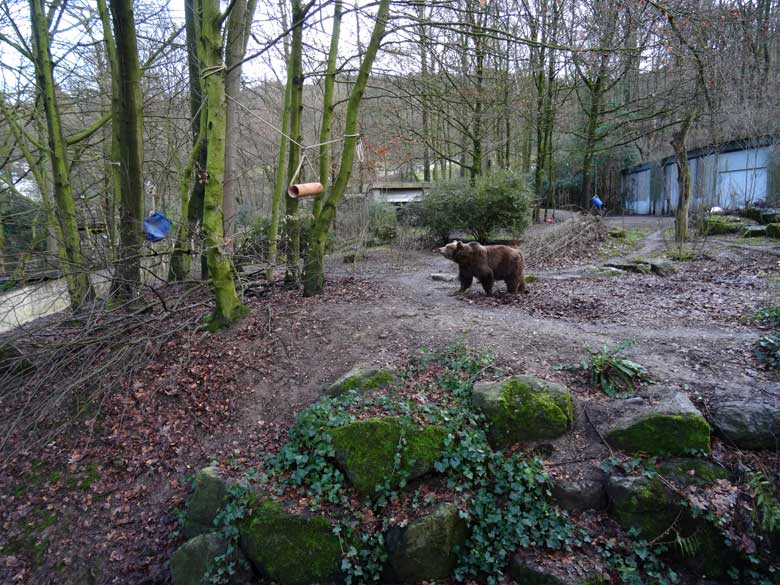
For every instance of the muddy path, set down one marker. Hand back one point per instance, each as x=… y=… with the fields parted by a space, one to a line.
x=690 y=328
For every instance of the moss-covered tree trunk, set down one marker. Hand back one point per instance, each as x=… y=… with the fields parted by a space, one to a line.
x=293 y=223
x=129 y=135
x=192 y=189
x=73 y=264
x=238 y=28
x=314 y=273
x=228 y=307
x=683 y=179
x=327 y=106
x=281 y=174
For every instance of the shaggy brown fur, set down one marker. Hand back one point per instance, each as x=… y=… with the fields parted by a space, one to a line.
x=487 y=264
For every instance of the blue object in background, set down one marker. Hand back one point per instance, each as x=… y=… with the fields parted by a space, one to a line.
x=596 y=201
x=156 y=227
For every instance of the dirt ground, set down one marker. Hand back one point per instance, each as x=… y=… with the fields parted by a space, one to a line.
x=691 y=332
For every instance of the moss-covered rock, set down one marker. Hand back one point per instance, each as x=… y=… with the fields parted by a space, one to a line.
x=773 y=230
x=524 y=408
x=662 y=267
x=754 y=231
x=361 y=378
x=691 y=471
x=616 y=232
x=192 y=560
x=209 y=494
x=426 y=548
x=768 y=216
x=366 y=451
x=716 y=225
x=653 y=509
x=289 y=548
x=639 y=266
x=672 y=426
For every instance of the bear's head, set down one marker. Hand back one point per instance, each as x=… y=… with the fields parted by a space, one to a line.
x=451 y=249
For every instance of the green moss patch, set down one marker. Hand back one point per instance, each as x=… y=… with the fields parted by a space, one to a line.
x=289 y=548
x=716 y=225
x=361 y=379
x=691 y=471
x=366 y=450
x=524 y=408
x=663 y=434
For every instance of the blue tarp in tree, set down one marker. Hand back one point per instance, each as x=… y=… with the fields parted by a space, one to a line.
x=156 y=227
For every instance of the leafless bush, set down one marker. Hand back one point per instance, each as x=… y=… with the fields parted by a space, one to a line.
x=60 y=369
x=574 y=238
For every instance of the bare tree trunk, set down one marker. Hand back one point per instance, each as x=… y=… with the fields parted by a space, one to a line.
x=238 y=29
x=683 y=179
x=314 y=277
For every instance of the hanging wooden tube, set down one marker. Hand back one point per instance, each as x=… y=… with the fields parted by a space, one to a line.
x=304 y=190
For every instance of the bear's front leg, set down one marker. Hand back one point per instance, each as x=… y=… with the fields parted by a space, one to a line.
x=465 y=281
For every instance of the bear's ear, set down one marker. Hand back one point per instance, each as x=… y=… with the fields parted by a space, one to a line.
x=460 y=246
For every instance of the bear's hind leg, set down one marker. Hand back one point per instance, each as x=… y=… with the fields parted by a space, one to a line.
x=511 y=284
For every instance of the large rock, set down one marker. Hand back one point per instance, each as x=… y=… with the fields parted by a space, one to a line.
x=670 y=426
x=289 y=548
x=691 y=471
x=662 y=267
x=639 y=266
x=524 y=408
x=530 y=568
x=578 y=495
x=426 y=548
x=366 y=451
x=748 y=423
x=715 y=225
x=654 y=510
x=754 y=231
x=361 y=378
x=209 y=494
x=192 y=561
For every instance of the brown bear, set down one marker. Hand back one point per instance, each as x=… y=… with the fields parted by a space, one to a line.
x=487 y=264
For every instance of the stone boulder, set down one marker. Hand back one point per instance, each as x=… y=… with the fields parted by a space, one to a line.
x=366 y=451
x=530 y=568
x=443 y=277
x=639 y=266
x=654 y=510
x=578 y=495
x=617 y=232
x=716 y=225
x=361 y=378
x=426 y=548
x=773 y=230
x=523 y=408
x=209 y=494
x=662 y=267
x=192 y=561
x=289 y=548
x=659 y=267
x=671 y=425
x=754 y=231
x=691 y=471
x=752 y=423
